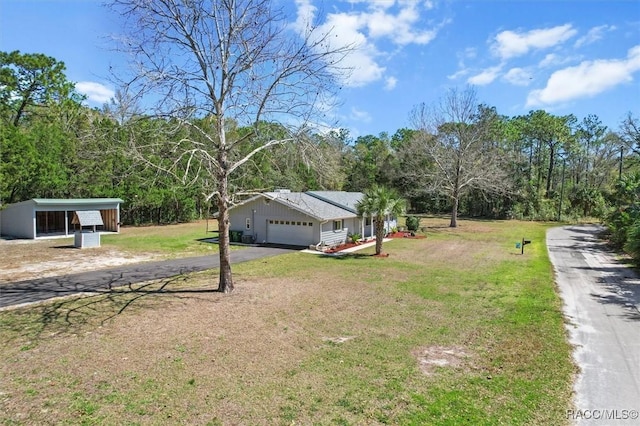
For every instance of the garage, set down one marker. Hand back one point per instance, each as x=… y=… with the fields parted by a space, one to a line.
x=290 y=232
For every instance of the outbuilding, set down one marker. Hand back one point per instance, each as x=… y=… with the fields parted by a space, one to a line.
x=45 y=217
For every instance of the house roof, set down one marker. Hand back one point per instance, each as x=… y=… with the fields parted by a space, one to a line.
x=343 y=199
x=321 y=205
x=311 y=205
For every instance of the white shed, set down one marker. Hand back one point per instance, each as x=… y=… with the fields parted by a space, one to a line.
x=43 y=217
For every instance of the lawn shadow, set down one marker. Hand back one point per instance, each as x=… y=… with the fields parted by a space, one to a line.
x=92 y=308
x=66 y=246
x=349 y=256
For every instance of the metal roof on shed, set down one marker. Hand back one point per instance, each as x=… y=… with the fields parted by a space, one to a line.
x=75 y=201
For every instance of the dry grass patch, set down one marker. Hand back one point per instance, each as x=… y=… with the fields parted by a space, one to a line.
x=433 y=357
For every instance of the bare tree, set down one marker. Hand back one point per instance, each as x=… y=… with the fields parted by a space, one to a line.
x=458 y=137
x=630 y=133
x=210 y=65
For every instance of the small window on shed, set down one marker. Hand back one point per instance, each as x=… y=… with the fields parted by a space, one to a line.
x=248 y=223
x=337 y=225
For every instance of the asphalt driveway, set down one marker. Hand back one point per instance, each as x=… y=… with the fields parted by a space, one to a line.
x=601 y=303
x=37 y=290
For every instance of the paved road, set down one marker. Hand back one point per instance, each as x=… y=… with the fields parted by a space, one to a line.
x=601 y=302
x=37 y=290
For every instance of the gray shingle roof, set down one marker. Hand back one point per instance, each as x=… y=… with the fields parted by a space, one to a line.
x=313 y=206
x=346 y=200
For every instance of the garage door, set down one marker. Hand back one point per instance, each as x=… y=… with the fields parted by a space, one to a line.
x=298 y=233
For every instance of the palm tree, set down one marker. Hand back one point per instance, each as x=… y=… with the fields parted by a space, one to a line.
x=379 y=203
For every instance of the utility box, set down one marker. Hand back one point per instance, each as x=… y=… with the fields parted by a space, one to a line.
x=86 y=239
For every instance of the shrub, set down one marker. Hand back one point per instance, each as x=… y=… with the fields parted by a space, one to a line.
x=413 y=223
x=632 y=245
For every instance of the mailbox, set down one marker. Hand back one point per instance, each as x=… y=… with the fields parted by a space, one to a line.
x=524 y=243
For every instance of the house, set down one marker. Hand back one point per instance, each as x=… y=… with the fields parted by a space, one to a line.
x=300 y=218
x=42 y=217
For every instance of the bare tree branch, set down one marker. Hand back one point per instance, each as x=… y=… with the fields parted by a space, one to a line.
x=206 y=64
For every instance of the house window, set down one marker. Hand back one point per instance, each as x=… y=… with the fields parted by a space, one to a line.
x=337 y=225
x=248 y=223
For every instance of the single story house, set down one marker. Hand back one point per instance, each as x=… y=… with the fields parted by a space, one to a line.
x=309 y=218
x=42 y=217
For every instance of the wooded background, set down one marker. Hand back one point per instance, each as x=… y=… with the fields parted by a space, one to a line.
x=539 y=166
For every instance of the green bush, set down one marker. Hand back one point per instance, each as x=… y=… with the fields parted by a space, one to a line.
x=632 y=245
x=413 y=223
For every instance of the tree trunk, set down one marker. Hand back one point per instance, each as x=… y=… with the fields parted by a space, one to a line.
x=226 y=281
x=379 y=234
x=456 y=196
x=454 y=212
x=552 y=157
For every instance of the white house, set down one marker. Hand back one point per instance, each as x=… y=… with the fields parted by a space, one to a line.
x=300 y=218
x=42 y=217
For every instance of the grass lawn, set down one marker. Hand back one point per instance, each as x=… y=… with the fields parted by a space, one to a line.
x=454 y=329
x=185 y=239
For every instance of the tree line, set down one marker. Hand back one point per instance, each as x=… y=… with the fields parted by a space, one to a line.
x=459 y=157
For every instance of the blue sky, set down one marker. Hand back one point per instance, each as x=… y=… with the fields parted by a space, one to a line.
x=564 y=56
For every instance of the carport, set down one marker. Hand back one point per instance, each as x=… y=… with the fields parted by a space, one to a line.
x=43 y=217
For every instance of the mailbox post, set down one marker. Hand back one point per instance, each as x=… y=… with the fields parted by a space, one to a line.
x=524 y=243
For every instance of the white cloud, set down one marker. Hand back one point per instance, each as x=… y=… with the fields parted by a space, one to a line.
x=587 y=79
x=365 y=30
x=485 y=77
x=594 y=34
x=390 y=83
x=458 y=74
x=555 y=60
x=518 y=77
x=509 y=44
x=95 y=92
x=400 y=28
x=359 y=115
x=550 y=60
x=468 y=53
